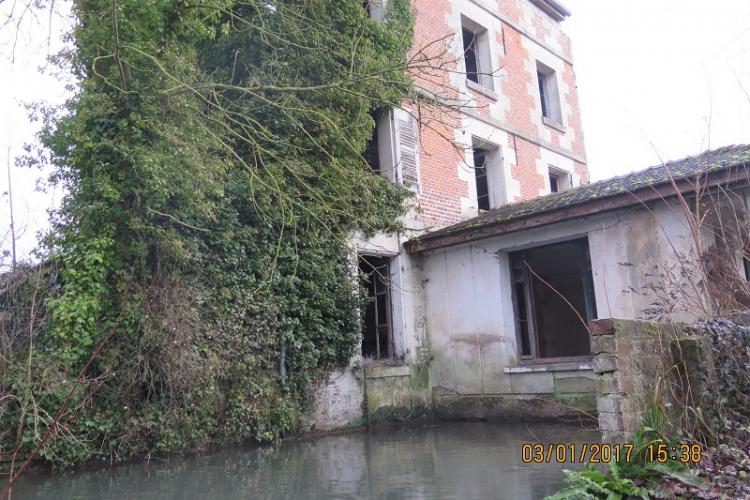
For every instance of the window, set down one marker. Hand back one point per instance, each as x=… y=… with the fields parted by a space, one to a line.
x=477 y=58
x=559 y=180
x=470 y=55
x=548 y=94
x=393 y=148
x=542 y=80
x=408 y=150
x=554 y=183
x=489 y=180
x=376 y=335
x=372 y=151
x=553 y=293
x=480 y=175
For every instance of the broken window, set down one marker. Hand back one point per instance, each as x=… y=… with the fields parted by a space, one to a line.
x=376 y=337
x=553 y=300
x=477 y=53
x=548 y=93
x=554 y=183
x=470 y=55
x=542 y=80
x=559 y=180
x=480 y=175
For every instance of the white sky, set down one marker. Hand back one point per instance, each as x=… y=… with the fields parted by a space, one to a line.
x=657 y=79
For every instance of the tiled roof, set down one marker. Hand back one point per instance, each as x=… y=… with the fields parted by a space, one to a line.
x=711 y=161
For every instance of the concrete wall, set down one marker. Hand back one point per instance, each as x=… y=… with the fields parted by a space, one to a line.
x=337 y=401
x=453 y=311
x=469 y=309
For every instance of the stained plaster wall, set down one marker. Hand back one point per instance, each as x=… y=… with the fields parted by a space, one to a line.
x=453 y=309
x=470 y=318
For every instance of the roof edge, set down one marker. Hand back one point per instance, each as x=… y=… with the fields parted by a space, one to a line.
x=555 y=9
x=735 y=174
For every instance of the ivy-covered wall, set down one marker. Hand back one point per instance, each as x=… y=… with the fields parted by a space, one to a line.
x=197 y=275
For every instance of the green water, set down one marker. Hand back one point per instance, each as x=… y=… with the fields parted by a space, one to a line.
x=447 y=460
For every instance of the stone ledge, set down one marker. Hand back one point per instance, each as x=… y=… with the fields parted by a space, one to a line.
x=388 y=371
x=602 y=326
x=481 y=89
x=550 y=367
x=554 y=124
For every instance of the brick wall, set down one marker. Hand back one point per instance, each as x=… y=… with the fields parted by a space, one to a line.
x=516 y=29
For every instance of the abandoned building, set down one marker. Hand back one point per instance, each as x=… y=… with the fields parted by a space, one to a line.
x=481 y=308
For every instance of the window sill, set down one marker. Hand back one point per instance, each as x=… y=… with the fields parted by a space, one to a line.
x=477 y=87
x=387 y=371
x=562 y=366
x=554 y=124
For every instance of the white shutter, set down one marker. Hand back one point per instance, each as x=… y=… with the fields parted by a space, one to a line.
x=408 y=150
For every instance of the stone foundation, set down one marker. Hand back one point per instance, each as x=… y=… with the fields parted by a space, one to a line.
x=640 y=365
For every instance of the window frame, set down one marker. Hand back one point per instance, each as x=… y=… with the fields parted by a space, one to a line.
x=554 y=182
x=563 y=177
x=482 y=52
x=471 y=49
x=494 y=173
x=372 y=293
x=549 y=95
x=521 y=276
x=482 y=174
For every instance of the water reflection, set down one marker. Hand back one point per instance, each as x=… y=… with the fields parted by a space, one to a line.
x=450 y=460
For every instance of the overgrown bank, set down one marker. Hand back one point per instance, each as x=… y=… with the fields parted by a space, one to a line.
x=699 y=448
x=212 y=163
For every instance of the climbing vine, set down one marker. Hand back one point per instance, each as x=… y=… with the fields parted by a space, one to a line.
x=212 y=163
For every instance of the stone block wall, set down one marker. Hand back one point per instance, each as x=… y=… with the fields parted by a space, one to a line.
x=396 y=393
x=640 y=364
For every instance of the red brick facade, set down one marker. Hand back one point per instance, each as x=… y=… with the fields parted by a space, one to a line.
x=520 y=33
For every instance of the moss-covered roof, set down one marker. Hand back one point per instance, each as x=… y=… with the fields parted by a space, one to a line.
x=711 y=161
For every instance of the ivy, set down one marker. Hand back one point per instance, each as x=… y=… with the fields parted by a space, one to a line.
x=212 y=163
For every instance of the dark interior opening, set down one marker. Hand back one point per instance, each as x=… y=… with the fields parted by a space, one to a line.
x=553 y=299
x=470 y=55
x=554 y=183
x=372 y=150
x=480 y=175
x=376 y=337
x=542 y=80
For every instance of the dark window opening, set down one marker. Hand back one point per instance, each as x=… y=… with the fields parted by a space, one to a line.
x=376 y=337
x=470 y=55
x=522 y=318
x=554 y=183
x=543 y=93
x=480 y=175
x=553 y=297
x=372 y=150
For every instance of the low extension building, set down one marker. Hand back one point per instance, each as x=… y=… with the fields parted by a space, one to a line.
x=481 y=308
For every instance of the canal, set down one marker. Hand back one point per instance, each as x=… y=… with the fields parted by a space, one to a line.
x=464 y=460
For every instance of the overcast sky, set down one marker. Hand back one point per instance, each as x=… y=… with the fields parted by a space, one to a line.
x=657 y=79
